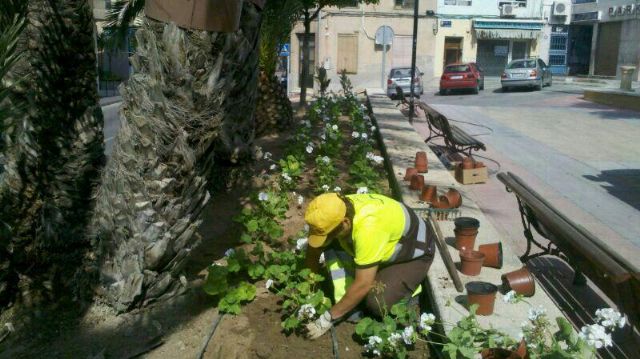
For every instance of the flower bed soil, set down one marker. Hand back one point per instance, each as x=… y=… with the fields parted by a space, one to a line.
x=179 y=328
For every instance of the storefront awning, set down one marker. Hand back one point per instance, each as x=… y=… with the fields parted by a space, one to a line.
x=507 y=29
x=506 y=34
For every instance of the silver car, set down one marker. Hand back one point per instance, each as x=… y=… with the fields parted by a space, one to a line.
x=526 y=73
x=401 y=77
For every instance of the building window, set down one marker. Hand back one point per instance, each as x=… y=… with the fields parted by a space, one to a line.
x=347 y=53
x=458 y=2
x=557 y=60
x=558 y=43
x=405 y=4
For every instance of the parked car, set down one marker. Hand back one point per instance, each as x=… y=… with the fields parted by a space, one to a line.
x=401 y=77
x=526 y=73
x=462 y=76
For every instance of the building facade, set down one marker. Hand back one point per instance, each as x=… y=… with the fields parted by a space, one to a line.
x=604 y=35
x=345 y=38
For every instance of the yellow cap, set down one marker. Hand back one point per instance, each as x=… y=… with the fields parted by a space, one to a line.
x=323 y=215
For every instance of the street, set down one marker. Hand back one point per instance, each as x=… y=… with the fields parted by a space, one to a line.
x=583 y=157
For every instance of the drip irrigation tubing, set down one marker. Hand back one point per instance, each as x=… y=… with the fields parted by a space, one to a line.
x=205 y=343
x=490 y=159
x=334 y=341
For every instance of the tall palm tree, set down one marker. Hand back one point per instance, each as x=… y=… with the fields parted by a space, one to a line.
x=54 y=151
x=273 y=109
x=189 y=103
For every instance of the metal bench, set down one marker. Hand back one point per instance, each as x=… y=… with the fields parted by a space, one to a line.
x=454 y=137
x=585 y=253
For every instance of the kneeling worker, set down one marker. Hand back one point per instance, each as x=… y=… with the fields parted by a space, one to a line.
x=385 y=241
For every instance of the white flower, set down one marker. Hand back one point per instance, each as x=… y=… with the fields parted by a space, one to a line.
x=596 y=336
x=395 y=339
x=229 y=252
x=325 y=187
x=286 y=176
x=267 y=155
x=269 y=283
x=378 y=159
x=610 y=318
x=309 y=149
x=337 y=189
x=306 y=311
x=362 y=190
x=325 y=118
x=323 y=137
x=373 y=128
x=370 y=155
x=364 y=136
x=426 y=319
x=273 y=167
x=407 y=335
x=262 y=196
x=510 y=297
x=535 y=313
x=321 y=260
x=326 y=159
x=334 y=127
x=374 y=341
x=305 y=228
x=301 y=243
x=355 y=134
x=300 y=200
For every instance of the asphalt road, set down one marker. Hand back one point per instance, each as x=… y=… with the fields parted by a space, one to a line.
x=583 y=157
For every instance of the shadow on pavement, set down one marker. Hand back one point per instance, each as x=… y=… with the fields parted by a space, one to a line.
x=580 y=302
x=623 y=184
x=608 y=112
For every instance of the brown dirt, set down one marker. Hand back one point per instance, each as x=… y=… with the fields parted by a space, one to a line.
x=179 y=328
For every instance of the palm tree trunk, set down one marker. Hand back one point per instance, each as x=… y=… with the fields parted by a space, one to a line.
x=273 y=108
x=54 y=152
x=190 y=101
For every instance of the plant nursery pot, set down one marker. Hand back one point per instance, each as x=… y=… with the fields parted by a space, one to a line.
x=471 y=262
x=521 y=281
x=441 y=203
x=465 y=241
x=454 y=197
x=421 y=162
x=417 y=182
x=466 y=222
x=499 y=353
x=409 y=173
x=429 y=193
x=483 y=294
x=467 y=163
x=478 y=165
x=492 y=254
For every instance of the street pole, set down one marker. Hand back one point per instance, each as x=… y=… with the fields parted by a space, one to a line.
x=413 y=57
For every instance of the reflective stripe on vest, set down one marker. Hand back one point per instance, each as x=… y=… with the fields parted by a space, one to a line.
x=419 y=240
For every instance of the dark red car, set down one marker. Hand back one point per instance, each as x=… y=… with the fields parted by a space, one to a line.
x=462 y=76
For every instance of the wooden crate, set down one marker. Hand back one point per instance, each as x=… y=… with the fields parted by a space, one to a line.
x=471 y=176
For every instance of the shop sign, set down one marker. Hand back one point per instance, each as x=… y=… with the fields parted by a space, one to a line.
x=445 y=23
x=500 y=50
x=624 y=10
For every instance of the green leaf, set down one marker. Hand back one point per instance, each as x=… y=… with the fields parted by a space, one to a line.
x=255 y=271
x=468 y=352
x=252 y=226
x=290 y=323
x=216 y=282
x=233 y=264
x=246 y=238
x=362 y=328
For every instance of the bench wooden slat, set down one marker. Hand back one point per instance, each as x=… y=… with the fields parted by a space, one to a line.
x=454 y=137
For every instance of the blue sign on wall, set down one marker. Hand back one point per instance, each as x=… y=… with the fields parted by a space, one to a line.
x=284 y=51
x=445 y=23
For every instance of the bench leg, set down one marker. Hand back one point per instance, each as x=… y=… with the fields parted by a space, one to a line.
x=579 y=278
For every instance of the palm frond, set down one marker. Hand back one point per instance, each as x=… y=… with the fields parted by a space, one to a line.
x=123 y=15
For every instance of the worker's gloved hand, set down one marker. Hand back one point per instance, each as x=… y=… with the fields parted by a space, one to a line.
x=320 y=326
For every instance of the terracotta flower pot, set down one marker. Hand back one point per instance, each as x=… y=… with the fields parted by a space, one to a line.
x=454 y=197
x=465 y=241
x=471 y=262
x=483 y=294
x=429 y=193
x=466 y=222
x=417 y=182
x=499 y=353
x=478 y=165
x=467 y=163
x=521 y=281
x=409 y=173
x=441 y=203
x=492 y=254
x=421 y=162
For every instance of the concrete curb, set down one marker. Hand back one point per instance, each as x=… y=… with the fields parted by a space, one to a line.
x=620 y=99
